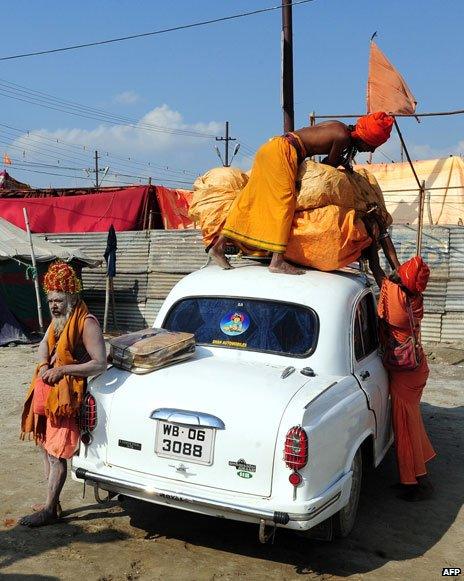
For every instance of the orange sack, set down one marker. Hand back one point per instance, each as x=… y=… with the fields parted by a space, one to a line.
x=326 y=238
x=327 y=231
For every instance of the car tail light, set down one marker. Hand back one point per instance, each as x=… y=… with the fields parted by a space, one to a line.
x=296 y=448
x=88 y=417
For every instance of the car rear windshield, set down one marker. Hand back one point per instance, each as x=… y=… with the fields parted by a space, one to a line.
x=249 y=324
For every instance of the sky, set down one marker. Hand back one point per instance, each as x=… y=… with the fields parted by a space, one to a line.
x=176 y=90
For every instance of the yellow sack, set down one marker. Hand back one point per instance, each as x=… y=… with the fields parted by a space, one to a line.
x=320 y=185
x=326 y=238
x=212 y=197
x=368 y=193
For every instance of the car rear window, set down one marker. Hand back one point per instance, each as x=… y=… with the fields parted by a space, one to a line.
x=248 y=324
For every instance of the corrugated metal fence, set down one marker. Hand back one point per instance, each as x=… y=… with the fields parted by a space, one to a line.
x=443 y=250
x=150 y=263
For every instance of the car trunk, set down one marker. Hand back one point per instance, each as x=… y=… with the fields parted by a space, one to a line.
x=247 y=400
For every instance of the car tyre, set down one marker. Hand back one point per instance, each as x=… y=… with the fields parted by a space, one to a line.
x=343 y=521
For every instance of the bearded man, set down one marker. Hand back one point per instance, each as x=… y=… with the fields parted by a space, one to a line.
x=262 y=214
x=71 y=350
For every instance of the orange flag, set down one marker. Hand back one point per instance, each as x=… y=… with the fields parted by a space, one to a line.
x=386 y=88
x=6 y=159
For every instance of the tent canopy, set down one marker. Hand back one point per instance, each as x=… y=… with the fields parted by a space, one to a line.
x=14 y=243
x=10 y=329
x=444 y=190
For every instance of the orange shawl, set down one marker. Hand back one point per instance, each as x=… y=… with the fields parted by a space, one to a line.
x=65 y=398
x=392 y=308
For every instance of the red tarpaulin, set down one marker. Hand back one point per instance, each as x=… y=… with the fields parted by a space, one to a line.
x=174 y=206
x=82 y=213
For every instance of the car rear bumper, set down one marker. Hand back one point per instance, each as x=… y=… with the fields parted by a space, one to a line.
x=314 y=511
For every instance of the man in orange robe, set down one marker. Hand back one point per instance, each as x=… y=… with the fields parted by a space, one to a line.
x=71 y=350
x=413 y=447
x=261 y=216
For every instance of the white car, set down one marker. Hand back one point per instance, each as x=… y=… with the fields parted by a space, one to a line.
x=273 y=419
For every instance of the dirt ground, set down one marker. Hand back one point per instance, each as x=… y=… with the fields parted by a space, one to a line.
x=392 y=539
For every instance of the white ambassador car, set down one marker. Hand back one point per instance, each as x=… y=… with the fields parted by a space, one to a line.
x=272 y=421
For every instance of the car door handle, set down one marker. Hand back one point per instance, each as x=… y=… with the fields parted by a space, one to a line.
x=365 y=375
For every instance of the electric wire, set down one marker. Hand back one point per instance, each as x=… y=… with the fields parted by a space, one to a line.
x=103 y=118
x=50 y=102
x=152 y=33
x=26 y=134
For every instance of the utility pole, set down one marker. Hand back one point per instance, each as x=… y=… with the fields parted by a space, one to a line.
x=287 y=66
x=96 y=169
x=225 y=162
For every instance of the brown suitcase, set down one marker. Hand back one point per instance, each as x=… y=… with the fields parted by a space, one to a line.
x=150 y=349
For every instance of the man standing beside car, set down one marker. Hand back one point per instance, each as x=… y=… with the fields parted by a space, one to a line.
x=72 y=349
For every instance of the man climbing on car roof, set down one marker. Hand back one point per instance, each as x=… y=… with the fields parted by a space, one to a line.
x=261 y=216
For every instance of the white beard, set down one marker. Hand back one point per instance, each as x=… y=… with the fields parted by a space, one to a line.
x=59 y=323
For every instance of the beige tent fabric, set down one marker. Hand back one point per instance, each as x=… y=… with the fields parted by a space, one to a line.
x=444 y=196
x=386 y=89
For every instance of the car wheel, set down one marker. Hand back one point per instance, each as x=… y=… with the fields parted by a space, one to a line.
x=343 y=521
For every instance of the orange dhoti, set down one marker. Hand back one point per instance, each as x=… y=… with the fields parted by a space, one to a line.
x=261 y=216
x=413 y=447
x=61 y=437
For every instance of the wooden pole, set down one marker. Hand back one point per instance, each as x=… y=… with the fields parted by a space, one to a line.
x=107 y=304
x=113 y=303
x=420 y=219
x=35 y=275
x=287 y=66
x=420 y=210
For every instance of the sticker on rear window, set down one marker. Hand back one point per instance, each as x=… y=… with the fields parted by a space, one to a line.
x=225 y=343
x=235 y=323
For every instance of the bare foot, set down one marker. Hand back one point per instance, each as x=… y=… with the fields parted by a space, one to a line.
x=39 y=519
x=284 y=267
x=39 y=507
x=218 y=256
x=279 y=265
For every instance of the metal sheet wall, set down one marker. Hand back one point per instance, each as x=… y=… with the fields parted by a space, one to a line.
x=149 y=264
x=443 y=250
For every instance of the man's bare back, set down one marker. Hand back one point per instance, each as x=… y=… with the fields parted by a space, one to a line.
x=330 y=138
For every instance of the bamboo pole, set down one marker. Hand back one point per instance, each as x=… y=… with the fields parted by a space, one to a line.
x=35 y=275
x=113 y=303
x=415 y=115
x=420 y=220
x=420 y=210
x=107 y=304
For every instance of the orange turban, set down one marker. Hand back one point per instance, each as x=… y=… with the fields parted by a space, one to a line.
x=61 y=277
x=373 y=129
x=414 y=274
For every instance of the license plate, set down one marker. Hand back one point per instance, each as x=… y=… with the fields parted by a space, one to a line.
x=182 y=442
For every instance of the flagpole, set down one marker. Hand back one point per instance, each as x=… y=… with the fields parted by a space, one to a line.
x=421 y=185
